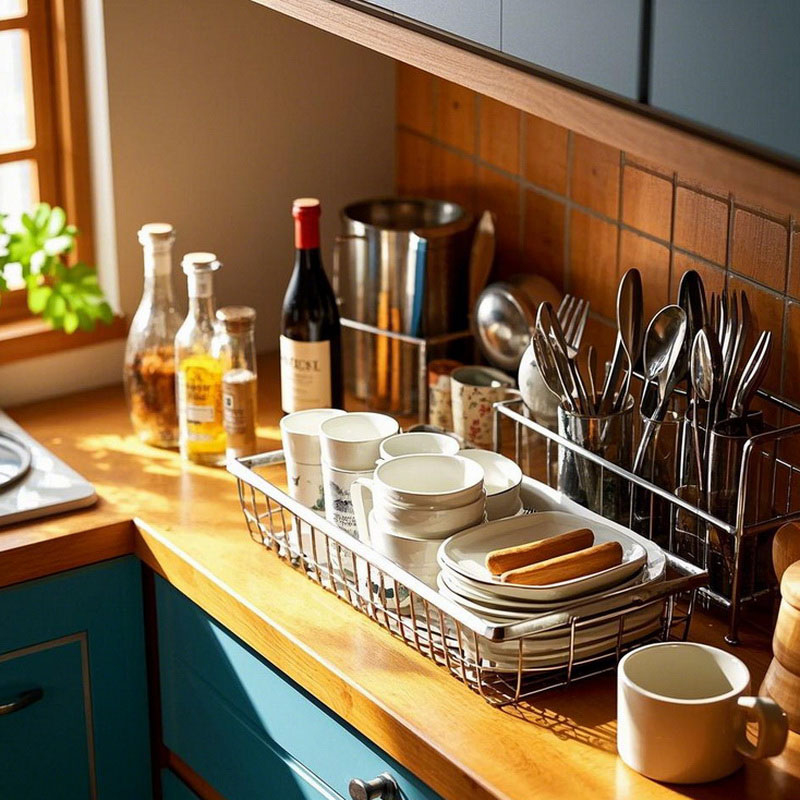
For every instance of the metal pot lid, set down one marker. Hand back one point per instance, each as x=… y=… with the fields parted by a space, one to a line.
x=15 y=460
x=503 y=322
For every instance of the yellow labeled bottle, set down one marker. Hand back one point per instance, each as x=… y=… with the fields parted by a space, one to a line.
x=199 y=371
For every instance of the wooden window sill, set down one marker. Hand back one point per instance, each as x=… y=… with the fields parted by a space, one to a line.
x=27 y=338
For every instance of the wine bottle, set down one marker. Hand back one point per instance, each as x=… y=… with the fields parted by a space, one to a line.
x=311 y=349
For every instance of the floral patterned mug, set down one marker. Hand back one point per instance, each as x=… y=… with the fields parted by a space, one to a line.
x=474 y=390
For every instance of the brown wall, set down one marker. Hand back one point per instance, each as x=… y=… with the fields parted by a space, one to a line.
x=581 y=213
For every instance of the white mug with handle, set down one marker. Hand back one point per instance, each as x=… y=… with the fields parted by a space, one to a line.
x=682 y=711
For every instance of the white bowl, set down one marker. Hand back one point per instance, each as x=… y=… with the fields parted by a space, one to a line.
x=426 y=523
x=502 y=480
x=417 y=442
x=417 y=556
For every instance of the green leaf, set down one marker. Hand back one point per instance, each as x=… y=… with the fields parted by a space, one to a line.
x=105 y=313
x=56 y=306
x=41 y=215
x=38 y=297
x=71 y=322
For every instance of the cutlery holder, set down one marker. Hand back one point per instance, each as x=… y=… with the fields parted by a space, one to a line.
x=731 y=538
x=587 y=482
x=474 y=650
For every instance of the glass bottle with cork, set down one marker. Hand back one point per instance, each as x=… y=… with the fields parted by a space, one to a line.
x=236 y=348
x=199 y=370
x=149 y=373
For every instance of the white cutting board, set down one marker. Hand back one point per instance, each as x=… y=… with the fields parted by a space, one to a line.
x=50 y=487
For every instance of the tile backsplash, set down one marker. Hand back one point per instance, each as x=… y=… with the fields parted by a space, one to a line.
x=580 y=212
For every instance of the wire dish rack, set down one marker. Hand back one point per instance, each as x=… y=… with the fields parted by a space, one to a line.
x=505 y=663
x=730 y=538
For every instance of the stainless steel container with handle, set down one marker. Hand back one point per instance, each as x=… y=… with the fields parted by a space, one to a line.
x=400 y=265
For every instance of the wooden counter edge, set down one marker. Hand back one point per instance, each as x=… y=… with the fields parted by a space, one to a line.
x=294 y=658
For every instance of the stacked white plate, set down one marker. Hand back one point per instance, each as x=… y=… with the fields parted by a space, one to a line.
x=465 y=579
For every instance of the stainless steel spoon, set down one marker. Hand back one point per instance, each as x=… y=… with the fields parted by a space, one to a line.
x=663 y=349
x=628 y=346
x=707 y=380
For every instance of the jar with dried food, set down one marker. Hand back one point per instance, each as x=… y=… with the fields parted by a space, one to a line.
x=149 y=355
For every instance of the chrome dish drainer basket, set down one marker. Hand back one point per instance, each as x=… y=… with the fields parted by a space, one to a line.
x=733 y=544
x=490 y=658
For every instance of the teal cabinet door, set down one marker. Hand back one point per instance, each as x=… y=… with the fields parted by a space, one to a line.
x=248 y=729
x=594 y=41
x=101 y=607
x=45 y=745
x=173 y=788
x=732 y=65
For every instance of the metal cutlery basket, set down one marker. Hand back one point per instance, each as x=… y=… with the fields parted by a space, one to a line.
x=730 y=538
x=489 y=658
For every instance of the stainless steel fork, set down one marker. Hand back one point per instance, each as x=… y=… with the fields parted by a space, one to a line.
x=572 y=315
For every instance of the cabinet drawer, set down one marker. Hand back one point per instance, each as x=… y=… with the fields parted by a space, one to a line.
x=595 y=42
x=730 y=64
x=219 y=697
x=44 y=746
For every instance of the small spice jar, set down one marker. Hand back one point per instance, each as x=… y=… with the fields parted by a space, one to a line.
x=236 y=349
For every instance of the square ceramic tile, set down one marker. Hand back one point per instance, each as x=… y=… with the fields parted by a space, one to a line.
x=713 y=277
x=452 y=177
x=595 y=175
x=414 y=98
x=701 y=225
x=455 y=116
x=760 y=249
x=501 y=194
x=767 y=309
x=413 y=157
x=498 y=134
x=545 y=159
x=647 y=202
x=652 y=261
x=794 y=269
x=543 y=237
x=593 y=262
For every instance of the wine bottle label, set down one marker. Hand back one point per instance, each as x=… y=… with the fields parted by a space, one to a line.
x=305 y=375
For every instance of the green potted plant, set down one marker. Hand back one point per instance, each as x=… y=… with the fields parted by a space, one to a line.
x=67 y=297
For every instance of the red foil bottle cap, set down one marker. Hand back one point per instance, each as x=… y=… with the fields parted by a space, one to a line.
x=306 y=212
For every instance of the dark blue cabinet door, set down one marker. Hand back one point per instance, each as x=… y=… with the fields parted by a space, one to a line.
x=731 y=64
x=595 y=41
x=45 y=746
x=172 y=788
x=476 y=20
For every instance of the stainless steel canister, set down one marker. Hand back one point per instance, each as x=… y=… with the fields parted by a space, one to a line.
x=401 y=265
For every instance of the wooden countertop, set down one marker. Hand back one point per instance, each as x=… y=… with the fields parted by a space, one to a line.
x=185 y=522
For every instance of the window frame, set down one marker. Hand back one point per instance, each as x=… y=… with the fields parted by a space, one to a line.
x=61 y=146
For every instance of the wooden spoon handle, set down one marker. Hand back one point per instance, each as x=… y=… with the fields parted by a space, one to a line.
x=566 y=567
x=508 y=558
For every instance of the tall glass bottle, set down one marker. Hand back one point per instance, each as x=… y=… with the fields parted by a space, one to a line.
x=311 y=348
x=199 y=370
x=149 y=373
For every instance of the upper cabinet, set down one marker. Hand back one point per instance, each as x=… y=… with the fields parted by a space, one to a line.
x=732 y=65
x=595 y=41
x=476 y=20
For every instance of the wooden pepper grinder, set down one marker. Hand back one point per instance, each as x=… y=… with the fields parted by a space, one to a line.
x=782 y=681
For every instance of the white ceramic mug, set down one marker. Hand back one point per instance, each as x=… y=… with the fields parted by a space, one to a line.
x=502 y=481
x=352 y=441
x=408 y=491
x=300 y=434
x=416 y=443
x=474 y=390
x=682 y=710
x=337 y=484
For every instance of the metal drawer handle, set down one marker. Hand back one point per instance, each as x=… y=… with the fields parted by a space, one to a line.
x=384 y=787
x=22 y=700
